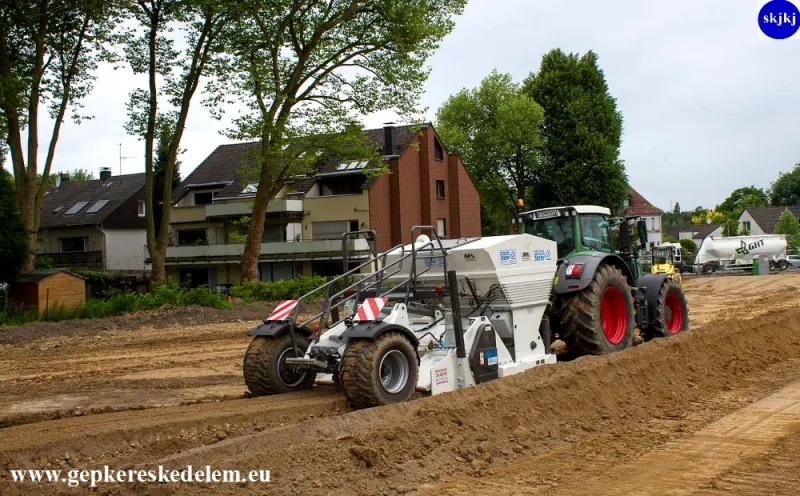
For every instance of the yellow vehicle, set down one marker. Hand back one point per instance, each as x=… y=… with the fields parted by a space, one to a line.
x=666 y=259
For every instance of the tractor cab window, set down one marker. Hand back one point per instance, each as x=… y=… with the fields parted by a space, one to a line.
x=595 y=233
x=557 y=229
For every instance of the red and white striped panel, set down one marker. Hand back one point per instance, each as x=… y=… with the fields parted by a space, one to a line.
x=370 y=309
x=283 y=310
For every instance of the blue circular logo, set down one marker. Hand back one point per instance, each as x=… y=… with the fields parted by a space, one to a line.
x=779 y=19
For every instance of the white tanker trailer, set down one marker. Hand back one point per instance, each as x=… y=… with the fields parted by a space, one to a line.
x=738 y=251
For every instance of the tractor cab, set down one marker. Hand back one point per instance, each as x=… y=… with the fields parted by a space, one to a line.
x=576 y=229
x=589 y=230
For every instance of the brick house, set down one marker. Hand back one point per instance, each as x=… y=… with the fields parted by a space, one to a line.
x=636 y=204
x=97 y=224
x=306 y=219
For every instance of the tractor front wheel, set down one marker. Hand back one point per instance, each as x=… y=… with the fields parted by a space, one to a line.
x=600 y=318
x=672 y=313
x=265 y=369
x=379 y=372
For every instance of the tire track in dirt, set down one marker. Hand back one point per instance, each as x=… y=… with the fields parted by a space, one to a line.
x=595 y=402
x=775 y=473
x=688 y=464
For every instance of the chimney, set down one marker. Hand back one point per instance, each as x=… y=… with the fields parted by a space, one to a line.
x=63 y=177
x=105 y=173
x=388 y=138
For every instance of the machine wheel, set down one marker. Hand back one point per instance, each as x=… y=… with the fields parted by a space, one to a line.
x=600 y=319
x=783 y=264
x=265 y=370
x=379 y=372
x=672 y=313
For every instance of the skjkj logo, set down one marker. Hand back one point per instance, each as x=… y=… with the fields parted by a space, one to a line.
x=779 y=19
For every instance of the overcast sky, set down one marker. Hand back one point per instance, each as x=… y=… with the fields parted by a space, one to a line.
x=709 y=103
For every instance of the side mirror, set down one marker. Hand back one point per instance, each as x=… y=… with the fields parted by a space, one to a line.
x=642 y=227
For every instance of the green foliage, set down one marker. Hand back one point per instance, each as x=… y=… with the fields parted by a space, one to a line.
x=121 y=302
x=787 y=224
x=312 y=69
x=495 y=129
x=73 y=175
x=43 y=262
x=279 y=290
x=13 y=240
x=582 y=133
x=733 y=207
x=689 y=245
x=742 y=198
x=785 y=191
x=49 y=53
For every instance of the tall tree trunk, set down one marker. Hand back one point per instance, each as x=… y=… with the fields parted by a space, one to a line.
x=252 y=247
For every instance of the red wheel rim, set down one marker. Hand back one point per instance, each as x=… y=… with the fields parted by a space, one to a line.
x=675 y=317
x=613 y=315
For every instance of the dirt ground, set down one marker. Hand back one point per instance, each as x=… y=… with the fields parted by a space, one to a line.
x=713 y=411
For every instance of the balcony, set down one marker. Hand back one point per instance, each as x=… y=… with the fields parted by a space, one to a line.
x=76 y=259
x=272 y=252
x=200 y=213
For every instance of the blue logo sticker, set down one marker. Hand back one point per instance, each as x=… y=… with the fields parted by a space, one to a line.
x=542 y=255
x=508 y=257
x=778 y=19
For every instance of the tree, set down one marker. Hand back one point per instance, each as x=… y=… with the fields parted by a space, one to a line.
x=787 y=224
x=13 y=239
x=149 y=49
x=49 y=50
x=785 y=191
x=689 y=245
x=582 y=132
x=708 y=217
x=742 y=198
x=311 y=67
x=736 y=203
x=73 y=175
x=495 y=128
x=159 y=172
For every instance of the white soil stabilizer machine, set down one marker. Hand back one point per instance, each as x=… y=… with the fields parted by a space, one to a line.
x=438 y=315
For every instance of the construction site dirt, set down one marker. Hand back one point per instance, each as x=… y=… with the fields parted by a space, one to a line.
x=715 y=410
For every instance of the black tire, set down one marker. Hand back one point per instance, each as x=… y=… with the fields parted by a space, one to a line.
x=582 y=319
x=264 y=369
x=783 y=264
x=672 y=312
x=361 y=370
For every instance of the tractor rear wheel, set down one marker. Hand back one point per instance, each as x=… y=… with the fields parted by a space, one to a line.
x=379 y=372
x=672 y=313
x=265 y=369
x=600 y=319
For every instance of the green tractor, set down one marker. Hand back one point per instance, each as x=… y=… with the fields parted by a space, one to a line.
x=600 y=293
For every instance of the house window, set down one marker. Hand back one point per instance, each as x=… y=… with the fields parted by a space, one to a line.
x=441 y=228
x=192 y=237
x=140 y=207
x=345 y=185
x=440 y=189
x=438 y=151
x=746 y=226
x=203 y=198
x=78 y=243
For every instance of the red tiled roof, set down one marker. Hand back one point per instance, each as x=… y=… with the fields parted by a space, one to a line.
x=638 y=205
